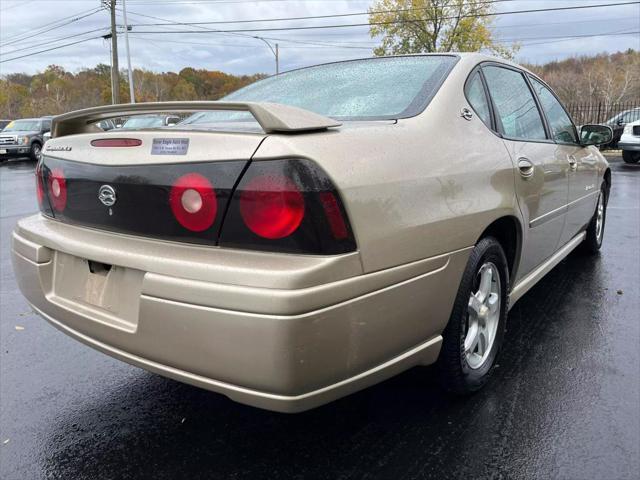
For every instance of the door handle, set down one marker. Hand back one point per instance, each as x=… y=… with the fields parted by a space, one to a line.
x=525 y=167
x=573 y=163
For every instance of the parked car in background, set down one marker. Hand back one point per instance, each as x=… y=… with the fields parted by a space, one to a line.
x=619 y=121
x=150 y=121
x=4 y=123
x=340 y=234
x=24 y=138
x=630 y=142
x=106 y=125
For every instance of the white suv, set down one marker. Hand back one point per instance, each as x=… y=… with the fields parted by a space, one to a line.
x=630 y=142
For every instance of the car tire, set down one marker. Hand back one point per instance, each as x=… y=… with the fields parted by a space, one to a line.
x=630 y=157
x=595 y=231
x=35 y=151
x=465 y=364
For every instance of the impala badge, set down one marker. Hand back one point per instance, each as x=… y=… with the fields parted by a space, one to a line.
x=107 y=195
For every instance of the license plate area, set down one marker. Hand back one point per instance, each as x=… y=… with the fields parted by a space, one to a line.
x=105 y=293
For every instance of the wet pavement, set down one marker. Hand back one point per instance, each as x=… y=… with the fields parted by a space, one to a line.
x=564 y=402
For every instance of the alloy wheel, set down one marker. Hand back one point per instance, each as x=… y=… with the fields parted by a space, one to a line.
x=483 y=316
x=600 y=218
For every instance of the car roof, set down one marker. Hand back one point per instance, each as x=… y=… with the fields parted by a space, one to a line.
x=471 y=57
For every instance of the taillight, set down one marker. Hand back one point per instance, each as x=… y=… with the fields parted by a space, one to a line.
x=289 y=206
x=39 y=184
x=285 y=205
x=334 y=215
x=193 y=202
x=116 y=142
x=272 y=206
x=57 y=190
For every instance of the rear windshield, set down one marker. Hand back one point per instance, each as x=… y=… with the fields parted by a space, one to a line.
x=144 y=122
x=371 y=89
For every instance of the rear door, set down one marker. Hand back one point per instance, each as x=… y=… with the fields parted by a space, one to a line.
x=583 y=163
x=541 y=168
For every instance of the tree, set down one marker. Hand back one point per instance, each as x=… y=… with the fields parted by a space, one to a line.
x=425 y=26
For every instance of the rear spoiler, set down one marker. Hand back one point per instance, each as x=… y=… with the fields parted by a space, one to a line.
x=272 y=117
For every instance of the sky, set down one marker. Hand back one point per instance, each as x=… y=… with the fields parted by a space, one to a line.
x=544 y=36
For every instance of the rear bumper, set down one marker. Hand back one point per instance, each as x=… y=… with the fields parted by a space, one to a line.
x=280 y=332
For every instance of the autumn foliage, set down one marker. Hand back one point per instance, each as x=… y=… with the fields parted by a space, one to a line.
x=55 y=90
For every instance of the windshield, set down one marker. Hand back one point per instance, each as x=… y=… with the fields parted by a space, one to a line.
x=144 y=122
x=22 y=125
x=379 y=88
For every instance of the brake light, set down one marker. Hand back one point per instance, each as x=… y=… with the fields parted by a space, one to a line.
x=116 y=142
x=272 y=206
x=57 y=190
x=193 y=202
x=287 y=205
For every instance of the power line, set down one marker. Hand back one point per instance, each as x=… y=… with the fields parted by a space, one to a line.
x=316 y=17
x=573 y=37
x=393 y=22
x=49 y=49
x=246 y=36
x=54 y=40
x=31 y=33
x=319 y=45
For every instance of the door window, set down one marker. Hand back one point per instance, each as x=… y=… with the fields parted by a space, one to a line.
x=630 y=116
x=478 y=99
x=515 y=105
x=46 y=125
x=562 y=127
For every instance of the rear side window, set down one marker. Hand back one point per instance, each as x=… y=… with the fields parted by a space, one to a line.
x=515 y=105
x=478 y=98
x=562 y=127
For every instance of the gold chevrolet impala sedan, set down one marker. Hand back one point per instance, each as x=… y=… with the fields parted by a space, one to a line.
x=317 y=231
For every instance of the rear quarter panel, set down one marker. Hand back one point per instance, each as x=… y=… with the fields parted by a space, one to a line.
x=420 y=187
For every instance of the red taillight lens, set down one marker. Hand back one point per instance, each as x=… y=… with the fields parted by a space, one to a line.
x=334 y=215
x=39 y=184
x=57 y=190
x=287 y=205
x=193 y=202
x=272 y=206
x=116 y=142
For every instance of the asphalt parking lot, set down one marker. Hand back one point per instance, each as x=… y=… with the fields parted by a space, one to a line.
x=564 y=402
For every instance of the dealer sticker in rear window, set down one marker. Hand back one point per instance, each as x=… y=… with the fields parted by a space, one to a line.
x=170 y=146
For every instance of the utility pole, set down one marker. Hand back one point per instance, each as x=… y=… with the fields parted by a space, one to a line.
x=126 y=41
x=277 y=60
x=115 y=72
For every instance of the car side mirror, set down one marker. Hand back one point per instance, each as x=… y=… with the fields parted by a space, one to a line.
x=619 y=122
x=595 y=135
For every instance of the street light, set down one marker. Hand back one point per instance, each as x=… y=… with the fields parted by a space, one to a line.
x=126 y=41
x=274 y=51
